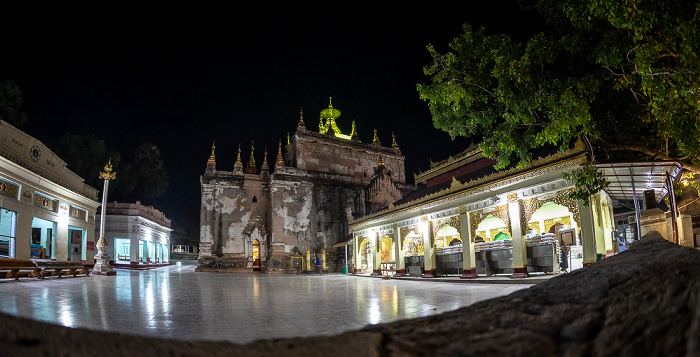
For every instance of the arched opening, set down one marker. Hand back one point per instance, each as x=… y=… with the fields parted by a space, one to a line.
x=546 y=225
x=386 y=248
x=366 y=257
x=256 y=255
x=490 y=228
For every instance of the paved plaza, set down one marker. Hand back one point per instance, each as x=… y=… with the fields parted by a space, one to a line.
x=175 y=302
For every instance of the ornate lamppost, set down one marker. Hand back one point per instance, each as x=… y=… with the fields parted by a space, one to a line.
x=102 y=266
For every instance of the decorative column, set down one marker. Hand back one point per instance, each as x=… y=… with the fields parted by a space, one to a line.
x=102 y=266
x=323 y=260
x=468 y=255
x=429 y=250
x=376 y=256
x=519 y=247
x=398 y=252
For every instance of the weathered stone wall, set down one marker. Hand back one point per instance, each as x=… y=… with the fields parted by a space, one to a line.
x=233 y=211
x=322 y=153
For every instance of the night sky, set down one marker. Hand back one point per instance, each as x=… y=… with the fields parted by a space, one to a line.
x=182 y=79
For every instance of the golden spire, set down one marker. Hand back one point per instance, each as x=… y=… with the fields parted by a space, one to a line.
x=264 y=165
x=301 y=124
x=251 y=169
x=393 y=141
x=376 y=139
x=238 y=158
x=212 y=157
x=353 y=134
x=279 y=162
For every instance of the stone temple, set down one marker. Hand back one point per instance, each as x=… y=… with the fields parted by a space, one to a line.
x=279 y=218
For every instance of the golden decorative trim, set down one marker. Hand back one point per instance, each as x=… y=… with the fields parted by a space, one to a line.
x=45 y=202
x=78 y=213
x=8 y=189
x=107 y=174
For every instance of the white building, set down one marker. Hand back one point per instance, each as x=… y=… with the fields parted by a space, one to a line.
x=46 y=210
x=136 y=234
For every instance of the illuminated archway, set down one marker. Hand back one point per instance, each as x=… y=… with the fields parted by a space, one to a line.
x=490 y=227
x=366 y=256
x=256 y=255
x=447 y=236
x=386 y=247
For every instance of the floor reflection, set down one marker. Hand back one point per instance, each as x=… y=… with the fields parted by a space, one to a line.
x=176 y=302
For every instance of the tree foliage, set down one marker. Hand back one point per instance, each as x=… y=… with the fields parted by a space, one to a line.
x=624 y=74
x=11 y=101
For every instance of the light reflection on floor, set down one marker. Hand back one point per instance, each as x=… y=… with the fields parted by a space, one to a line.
x=175 y=302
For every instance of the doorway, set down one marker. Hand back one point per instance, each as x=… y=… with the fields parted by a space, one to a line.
x=256 y=255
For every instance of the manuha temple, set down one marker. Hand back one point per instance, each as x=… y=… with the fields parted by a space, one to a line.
x=280 y=218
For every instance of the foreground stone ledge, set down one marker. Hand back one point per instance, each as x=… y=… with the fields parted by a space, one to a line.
x=642 y=302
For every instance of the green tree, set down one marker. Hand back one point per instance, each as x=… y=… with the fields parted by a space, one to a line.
x=151 y=172
x=87 y=155
x=624 y=75
x=11 y=103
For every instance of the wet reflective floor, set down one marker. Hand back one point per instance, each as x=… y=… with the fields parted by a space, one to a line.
x=175 y=302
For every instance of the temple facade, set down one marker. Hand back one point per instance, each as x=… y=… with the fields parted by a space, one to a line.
x=279 y=217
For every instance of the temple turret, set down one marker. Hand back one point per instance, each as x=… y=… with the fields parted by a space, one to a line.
x=301 y=126
x=353 y=134
x=330 y=114
x=265 y=170
x=375 y=140
x=279 y=162
x=251 y=168
x=394 y=145
x=238 y=166
x=211 y=162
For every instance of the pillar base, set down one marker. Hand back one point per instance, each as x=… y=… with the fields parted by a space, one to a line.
x=356 y=271
x=376 y=272
x=585 y=264
x=520 y=273
x=469 y=274
x=432 y=273
x=102 y=265
x=400 y=272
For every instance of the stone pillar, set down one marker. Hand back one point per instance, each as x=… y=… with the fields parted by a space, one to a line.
x=429 y=250
x=376 y=257
x=587 y=235
x=685 y=231
x=398 y=253
x=356 y=259
x=518 y=240
x=468 y=254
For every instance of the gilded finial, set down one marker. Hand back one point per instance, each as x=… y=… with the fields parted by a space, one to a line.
x=380 y=161
x=251 y=169
x=238 y=158
x=264 y=164
x=108 y=174
x=288 y=142
x=279 y=162
x=393 y=141
x=301 y=123
x=212 y=157
x=353 y=134
x=376 y=138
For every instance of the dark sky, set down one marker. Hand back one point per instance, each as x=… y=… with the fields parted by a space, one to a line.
x=182 y=79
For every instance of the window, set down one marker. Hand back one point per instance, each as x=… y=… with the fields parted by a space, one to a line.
x=8 y=227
